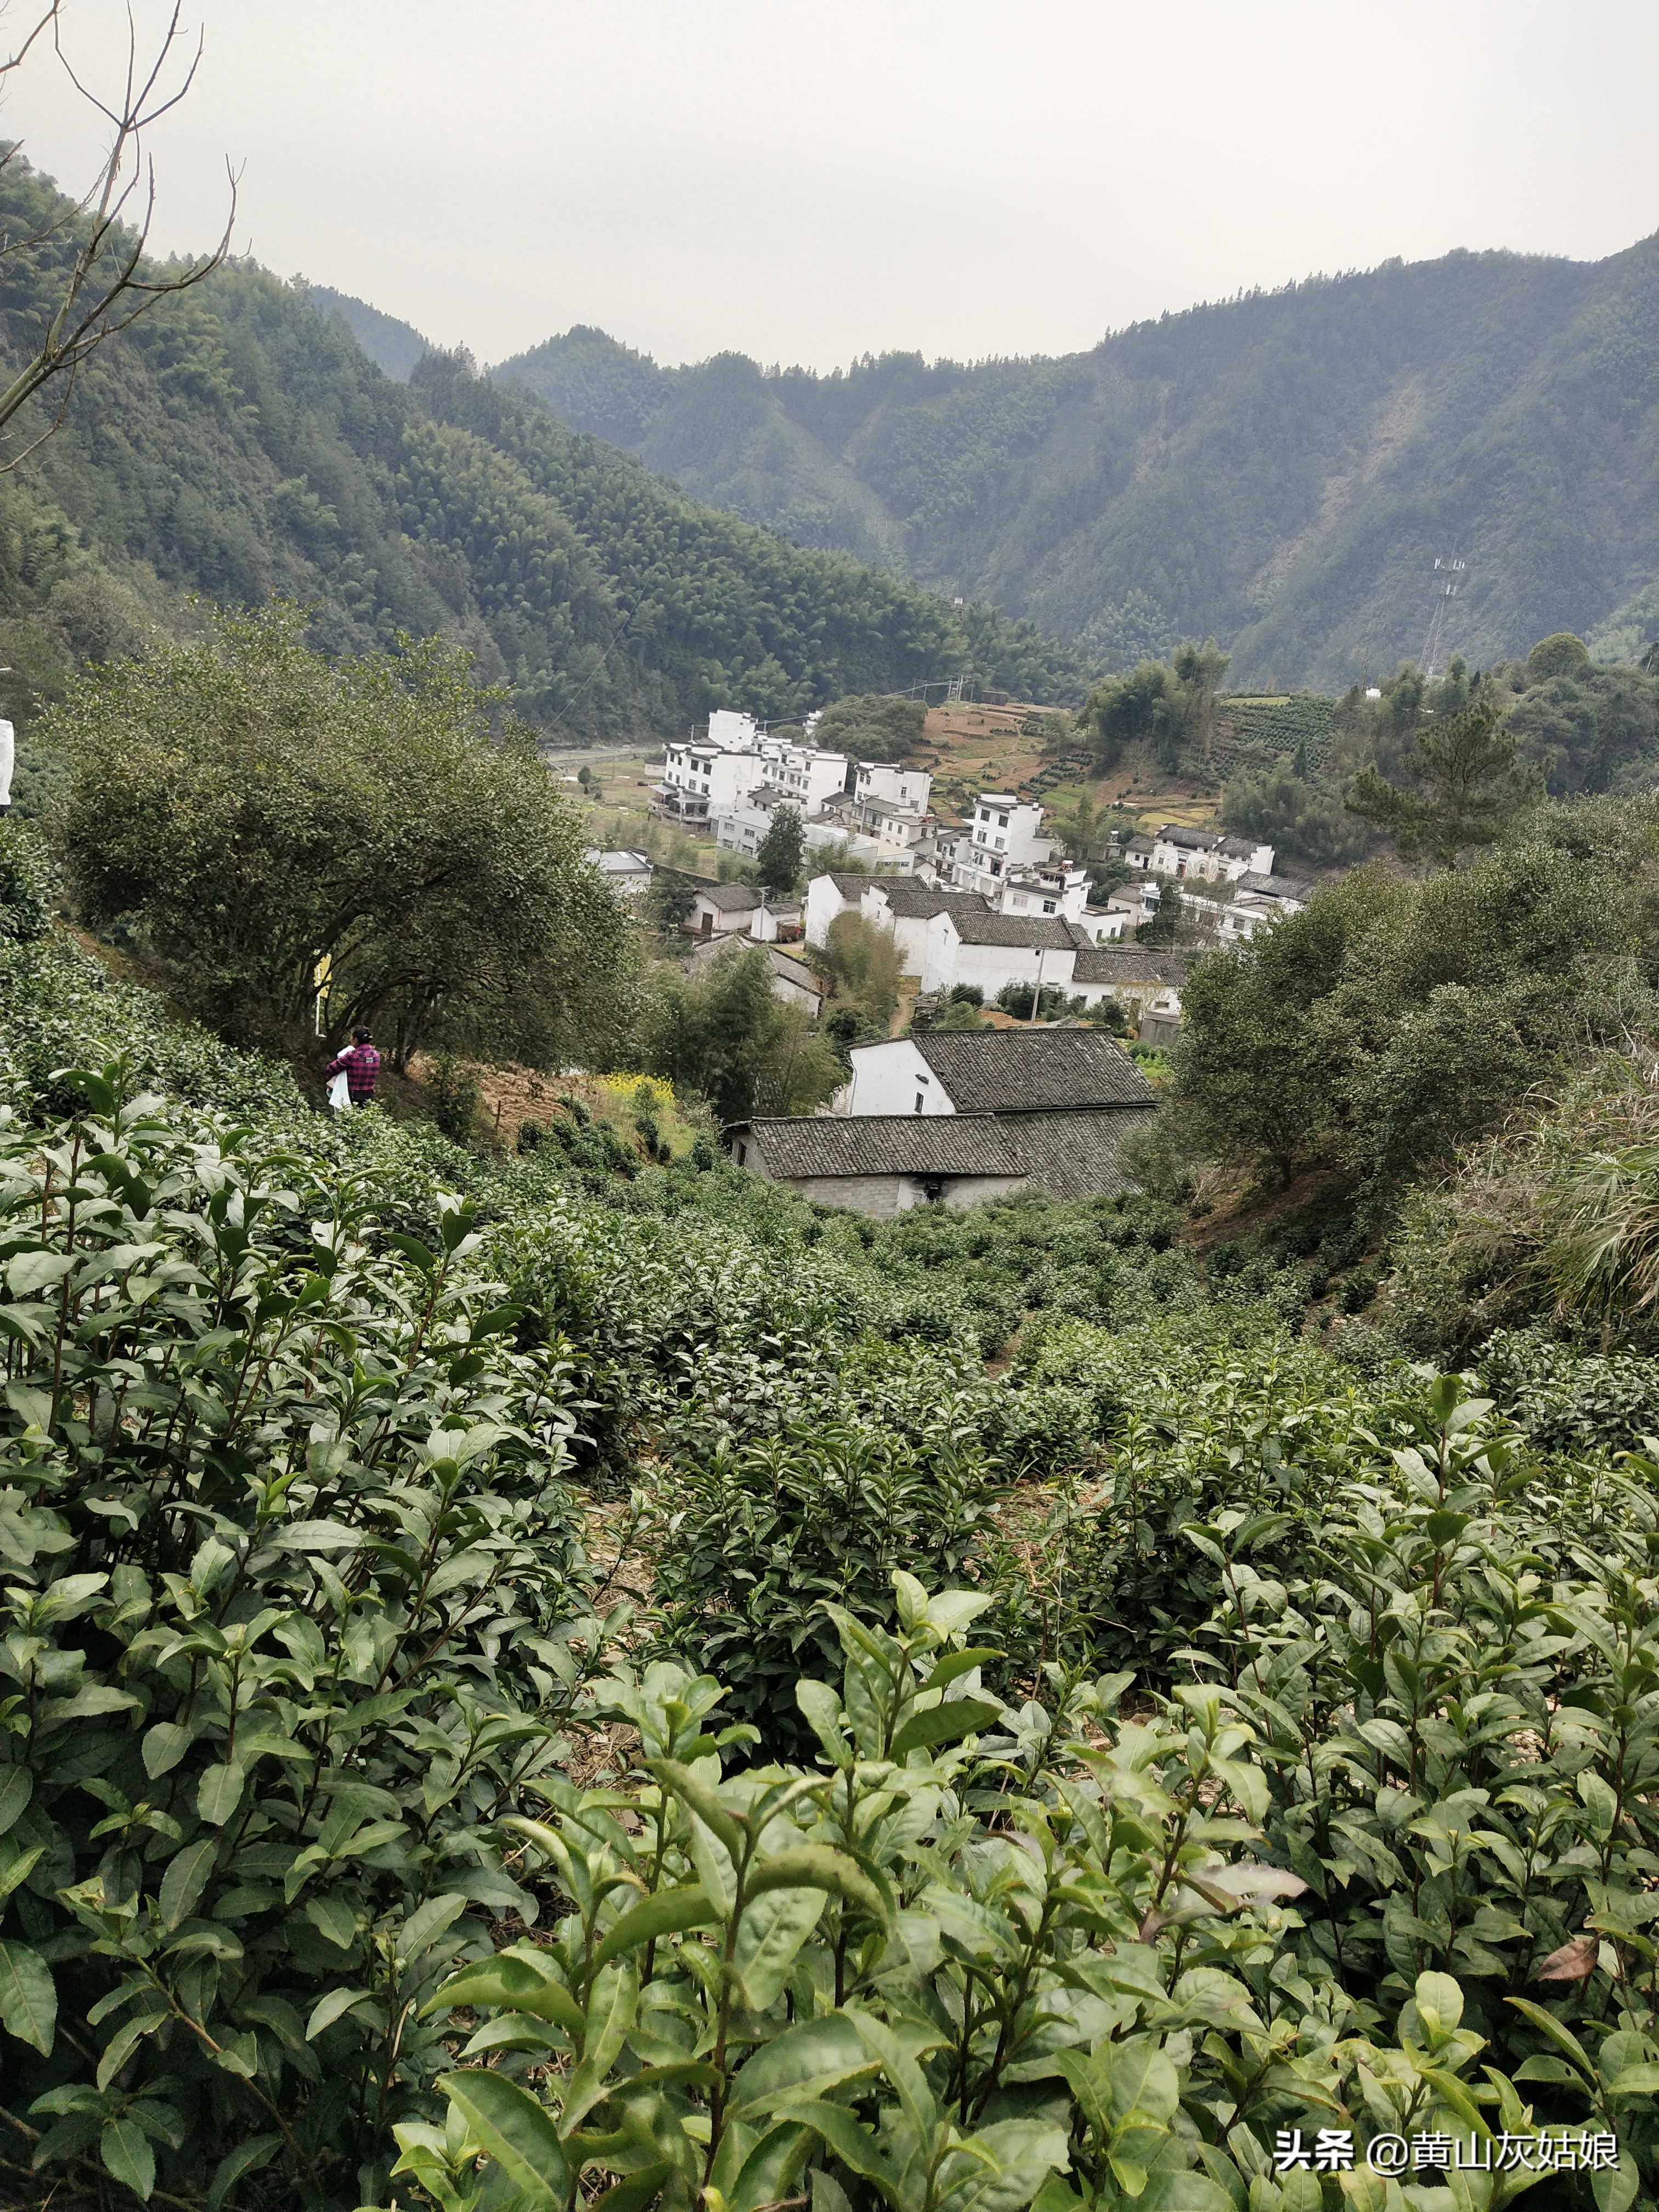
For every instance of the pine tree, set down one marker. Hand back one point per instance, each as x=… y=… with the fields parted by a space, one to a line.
x=783 y=849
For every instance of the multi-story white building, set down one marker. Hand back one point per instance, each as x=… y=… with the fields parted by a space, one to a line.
x=1004 y=837
x=806 y=775
x=885 y=784
x=700 y=780
x=1050 y=887
x=742 y=827
x=732 y=733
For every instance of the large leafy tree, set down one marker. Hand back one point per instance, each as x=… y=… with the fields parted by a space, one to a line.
x=870 y=727
x=1255 y=1080
x=1397 y=1018
x=265 y=813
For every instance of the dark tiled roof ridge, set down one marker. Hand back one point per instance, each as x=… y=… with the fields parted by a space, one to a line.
x=1035 y=932
x=887 y=1144
x=1108 y=963
x=1013 y=1070
x=1065 y=1152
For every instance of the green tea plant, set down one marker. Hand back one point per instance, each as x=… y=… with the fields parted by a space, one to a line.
x=968 y=1958
x=890 y=1467
x=295 y=1607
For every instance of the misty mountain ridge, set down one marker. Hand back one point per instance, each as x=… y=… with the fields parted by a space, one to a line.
x=1280 y=469
x=394 y=347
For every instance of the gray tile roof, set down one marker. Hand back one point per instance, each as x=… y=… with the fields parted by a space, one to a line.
x=1074 y=1155
x=1190 y=840
x=914 y=902
x=853 y=887
x=1128 y=964
x=788 y=970
x=730 y=898
x=791 y=970
x=1276 y=886
x=1068 y=1155
x=1035 y=932
x=1029 y=1071
x=885 y=1144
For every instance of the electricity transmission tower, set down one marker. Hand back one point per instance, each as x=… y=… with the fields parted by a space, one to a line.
x=1448 y=574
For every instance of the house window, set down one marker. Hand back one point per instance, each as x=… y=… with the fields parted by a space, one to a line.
x=918 y=1102
x=1002 y=821
x=743 y=1154
x=1048 y=906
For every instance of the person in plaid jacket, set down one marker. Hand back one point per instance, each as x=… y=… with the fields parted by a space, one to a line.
x=360 y=1064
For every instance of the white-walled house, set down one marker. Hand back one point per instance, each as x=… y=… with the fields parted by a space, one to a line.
x=775 y=920
x=700 y=778
x=628 y=874
x=1053 y=887
x=722 y=910
x=1003 y=838
x=982 y=945
x=897 y=830
x=1135 y=902
x=1136 y=977
x=731 y=733
x=807 y=776
x=829 y=895
x=1014 y=1071
x=1180 y=852
x=742 y=910
x=992 y=951
x=742 y=827
x=908 y=910
x=1240 y=907
x=961 y=1117
x=884 y=783
x=882 y=1166
x=1105 y=925
x=896 y=1079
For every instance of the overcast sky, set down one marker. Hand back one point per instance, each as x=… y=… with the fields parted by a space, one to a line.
x=806 y=180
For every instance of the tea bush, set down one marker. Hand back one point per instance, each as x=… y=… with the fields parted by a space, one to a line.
x=1303 y=1773
x=295 y=1605
x=967 y=1957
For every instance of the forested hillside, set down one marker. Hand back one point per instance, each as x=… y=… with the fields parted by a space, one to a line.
x=1280 y=470
x=238 y=444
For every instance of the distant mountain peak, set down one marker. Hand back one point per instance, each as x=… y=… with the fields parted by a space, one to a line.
x=1277 y=470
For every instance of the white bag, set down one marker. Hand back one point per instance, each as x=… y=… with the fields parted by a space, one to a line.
x=339 y=1092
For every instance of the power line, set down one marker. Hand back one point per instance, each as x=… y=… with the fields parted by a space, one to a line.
x=1449 y=578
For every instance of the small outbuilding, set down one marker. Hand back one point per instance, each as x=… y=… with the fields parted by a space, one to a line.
x=881 y=1164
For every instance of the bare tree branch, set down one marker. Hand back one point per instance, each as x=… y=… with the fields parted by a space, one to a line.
x=108 y=284
x=50 y=17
